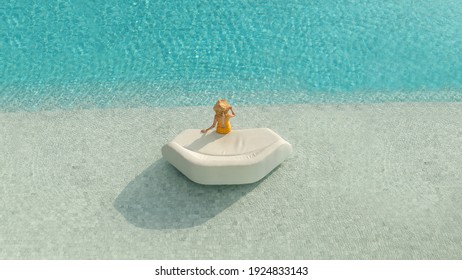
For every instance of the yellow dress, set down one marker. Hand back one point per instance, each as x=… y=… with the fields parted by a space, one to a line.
x=227 y=127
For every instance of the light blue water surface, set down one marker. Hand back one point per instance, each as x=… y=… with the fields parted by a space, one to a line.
x=190 y=52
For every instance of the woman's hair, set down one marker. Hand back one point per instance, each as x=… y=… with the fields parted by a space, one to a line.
x=221 y=107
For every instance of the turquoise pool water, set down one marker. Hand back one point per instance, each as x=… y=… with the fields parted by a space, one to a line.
x=185 y=52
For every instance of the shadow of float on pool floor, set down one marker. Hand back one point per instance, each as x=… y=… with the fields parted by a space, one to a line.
x=163 y=198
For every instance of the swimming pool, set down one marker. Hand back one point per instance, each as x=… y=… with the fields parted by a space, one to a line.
x=69 y=54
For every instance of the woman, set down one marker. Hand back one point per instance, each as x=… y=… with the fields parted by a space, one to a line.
x=221 y=119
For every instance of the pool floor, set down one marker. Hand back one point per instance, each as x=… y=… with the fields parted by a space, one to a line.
x=371 y=181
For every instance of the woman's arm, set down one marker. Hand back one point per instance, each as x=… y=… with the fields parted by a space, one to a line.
x=213 y=125
x=233 y=114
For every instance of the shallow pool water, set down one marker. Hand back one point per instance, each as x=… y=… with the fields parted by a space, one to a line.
x=174 y=53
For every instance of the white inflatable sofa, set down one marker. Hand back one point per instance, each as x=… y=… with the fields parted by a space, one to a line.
x=239 y=157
